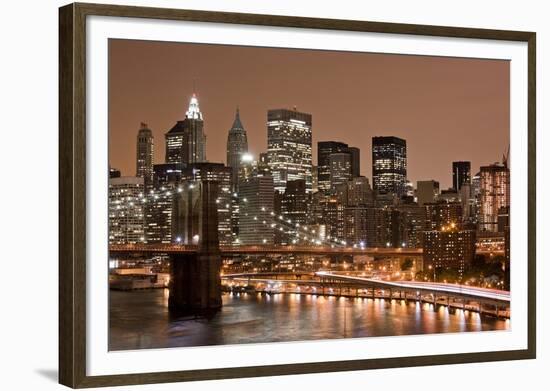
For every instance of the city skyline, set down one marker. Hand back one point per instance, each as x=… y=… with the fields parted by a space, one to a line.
x=482 y=101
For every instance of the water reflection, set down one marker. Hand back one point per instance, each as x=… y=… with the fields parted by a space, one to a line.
x=140 y=319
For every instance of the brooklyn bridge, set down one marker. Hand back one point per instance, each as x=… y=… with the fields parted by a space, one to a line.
x=196 y=265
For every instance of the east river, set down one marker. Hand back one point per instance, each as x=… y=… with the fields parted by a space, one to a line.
x=140 y=319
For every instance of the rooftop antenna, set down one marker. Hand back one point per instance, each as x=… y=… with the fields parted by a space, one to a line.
x=506 y=156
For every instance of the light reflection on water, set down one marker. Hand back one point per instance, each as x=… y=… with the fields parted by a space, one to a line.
x=140 y=319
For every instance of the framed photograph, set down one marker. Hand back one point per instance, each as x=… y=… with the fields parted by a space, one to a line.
x=255 y=195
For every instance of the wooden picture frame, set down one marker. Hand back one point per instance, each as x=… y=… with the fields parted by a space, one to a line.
x=72 y=193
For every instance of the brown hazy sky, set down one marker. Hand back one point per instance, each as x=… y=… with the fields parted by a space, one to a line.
x=446 y=108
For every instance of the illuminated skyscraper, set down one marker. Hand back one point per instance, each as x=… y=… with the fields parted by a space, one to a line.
x=461 y=174
x=294 y=205
x=289 y=147
x=324 y=150
x=158 y=206
x=126 y=216
x=237 y=146
x=389 y=165
x=494 y=188
x=256 y=205
x=145 y=156
x=186 y=142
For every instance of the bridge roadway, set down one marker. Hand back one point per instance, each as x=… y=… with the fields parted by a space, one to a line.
x=154 y=248
x=140 y=248
x=489 y=296
x=262 y=250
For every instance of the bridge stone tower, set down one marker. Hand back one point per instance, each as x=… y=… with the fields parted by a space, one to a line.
x=195 y=284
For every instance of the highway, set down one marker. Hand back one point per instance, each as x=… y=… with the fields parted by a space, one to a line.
x=453 y=289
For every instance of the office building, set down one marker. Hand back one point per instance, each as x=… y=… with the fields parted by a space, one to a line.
x=221 y=174
x=145 y=156
x=186 y=141
x=340 y=169
x=167 y=178
x=237 y=147
x=289 y=147
x=494 y=193
x=389 y=165
x=355 y=158
x=256 y=206
x=359 y=192
x=126 y=216
x=294 y=206
x=461 y=174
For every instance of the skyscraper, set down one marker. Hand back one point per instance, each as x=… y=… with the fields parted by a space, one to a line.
x=218 y=172
x=237 y=146
x=494 y=194
x=186 y=141
x=126 y=217
x=389 y=165
x=340 y=169
x=324 y=150
x=289 y=147
x=294 y=205
x=145 y=156
x=359 y=192
x=461 y=174
x=256 y=205
x=355 y=156
x=158 y=207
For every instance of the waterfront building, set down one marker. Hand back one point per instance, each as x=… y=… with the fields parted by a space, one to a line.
x=237 y=147
x=126 y=216
x=145 y=156
x=289 y=147
x=389 y=165
x=186 y=141
x=449 y=247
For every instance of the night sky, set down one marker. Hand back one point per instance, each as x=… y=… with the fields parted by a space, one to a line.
x=446 y=108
